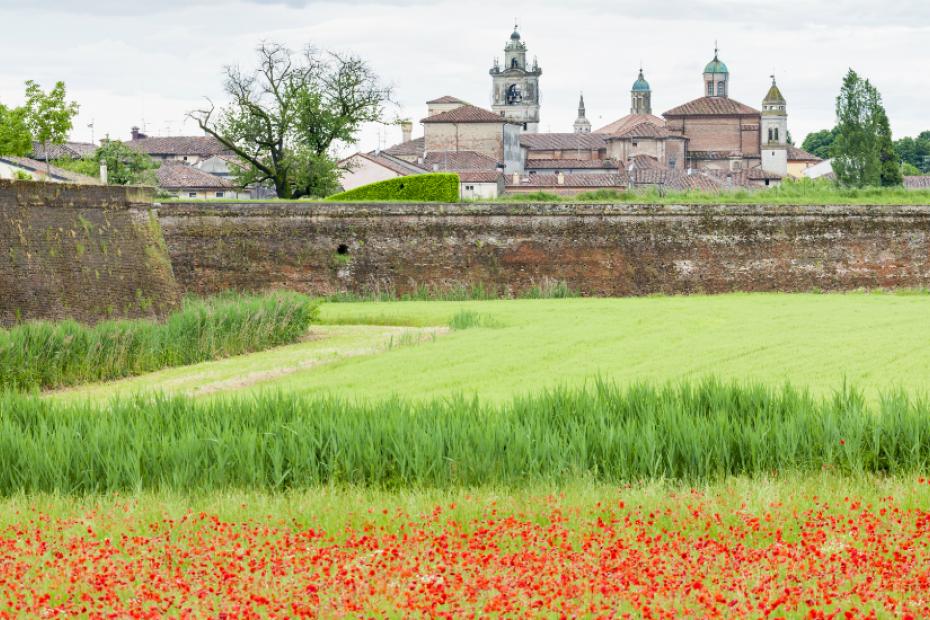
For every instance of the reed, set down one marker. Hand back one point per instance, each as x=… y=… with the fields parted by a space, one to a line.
x=44 y=355
x=694 y=432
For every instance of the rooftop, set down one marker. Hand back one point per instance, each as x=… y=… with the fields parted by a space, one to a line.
x=622 y=124
x=201 y=146
x=60 y=174
x=175 y=175
x=466 y=114
x=446 y=99
x=713 y=106
x=563 y=141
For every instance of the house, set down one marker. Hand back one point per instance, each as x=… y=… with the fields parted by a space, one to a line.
x=16 y=167
x=820 y=170
x=188 y=183
x=469 y=128
x=191 y=150
x=565 y=184
x=799 y=161
x=366 y=168
x=68 y=150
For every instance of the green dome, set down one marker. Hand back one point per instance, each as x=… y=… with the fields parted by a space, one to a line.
x=641 y=85
x=716 y=66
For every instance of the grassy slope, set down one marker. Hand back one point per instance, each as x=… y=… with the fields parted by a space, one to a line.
x=873 y=341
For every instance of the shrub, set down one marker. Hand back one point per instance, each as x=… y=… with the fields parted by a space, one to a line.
x=49 y=355
x=435 y=187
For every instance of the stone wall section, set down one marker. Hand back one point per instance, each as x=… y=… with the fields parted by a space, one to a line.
x=597 y=249
x=86 y=253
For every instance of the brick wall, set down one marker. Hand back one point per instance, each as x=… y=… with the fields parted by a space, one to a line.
x=598 y=250
x=85 y=252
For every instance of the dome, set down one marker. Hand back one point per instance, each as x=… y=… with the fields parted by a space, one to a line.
x=716 y=66
x=516 y=34
x=774 y=97
x=641 y=85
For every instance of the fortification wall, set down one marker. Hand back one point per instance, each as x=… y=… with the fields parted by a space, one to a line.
x=81 y=252
x=596 y=249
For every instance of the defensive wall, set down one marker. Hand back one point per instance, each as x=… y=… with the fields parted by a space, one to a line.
x=596 y=249
x=85 y=252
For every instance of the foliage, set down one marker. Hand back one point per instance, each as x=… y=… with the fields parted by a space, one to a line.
x=547 y=288
x=49 y=355
x=695 y=432
x=602 y=195
x=15 y=138
x=20 y=175
x=863 y=153
x=820 y=143
x=537 y=197
x=49 y=116
x=431 y=187
x=915 y=152
x=286 y=117
x=125 y=166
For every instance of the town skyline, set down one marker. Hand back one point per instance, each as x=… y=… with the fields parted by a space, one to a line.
x=154 y=64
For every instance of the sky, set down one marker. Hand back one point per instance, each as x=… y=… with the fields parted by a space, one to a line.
x=149 y=63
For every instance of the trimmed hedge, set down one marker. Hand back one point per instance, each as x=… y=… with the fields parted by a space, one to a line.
x=433 y=187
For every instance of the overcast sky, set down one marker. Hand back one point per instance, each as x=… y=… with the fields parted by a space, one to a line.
x=144 y=62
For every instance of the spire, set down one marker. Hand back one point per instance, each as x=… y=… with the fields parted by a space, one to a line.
x=582 y=124
x=581 y=110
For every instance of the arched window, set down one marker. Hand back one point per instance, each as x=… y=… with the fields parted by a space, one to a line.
x=710 y=89
x=770 y=134
x=776 y=134
x=514 y=64
x=721 y=89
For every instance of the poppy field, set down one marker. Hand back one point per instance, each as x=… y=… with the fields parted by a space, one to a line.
x=753 y=549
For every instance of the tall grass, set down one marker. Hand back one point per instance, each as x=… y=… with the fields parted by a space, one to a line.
x=692 y=432
x=547 y=288
x=49 y=355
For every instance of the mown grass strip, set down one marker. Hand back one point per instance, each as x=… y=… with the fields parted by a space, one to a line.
x=45 y=355
x=692 y=432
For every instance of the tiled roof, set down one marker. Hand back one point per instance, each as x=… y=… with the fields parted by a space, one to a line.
x=570 y=180
x=917 y=182
x=694 y=181
x=446 y=99
x=413 y=147
x=571 y=164
x=714 y=155
x=202 y=146
x=642 y=130
x=796 y=154
x=68 y=150
x=175 y=175
x=479 y=176
x=712 y=106
x=397 y=166
x=458 y=160
x=466 y=114
x=742 y=178
x=563 y=141
x=59 y=174
x=631 y=120
x=646 y=162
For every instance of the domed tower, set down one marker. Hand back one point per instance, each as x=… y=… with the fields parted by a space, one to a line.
x=774 y=136
x=582 y=124
x=716 y=77
x=641 y=96
x=515 y=93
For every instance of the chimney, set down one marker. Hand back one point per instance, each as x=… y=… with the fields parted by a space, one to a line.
x=407 y=128
x=103 y=172
x=560 y=178
x=136 y=134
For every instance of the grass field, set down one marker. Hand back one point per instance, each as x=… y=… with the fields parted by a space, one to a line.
x=875 y=342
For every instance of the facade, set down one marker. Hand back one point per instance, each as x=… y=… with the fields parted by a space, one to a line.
x=515 y=86
x=799 y=161
x=468 y=128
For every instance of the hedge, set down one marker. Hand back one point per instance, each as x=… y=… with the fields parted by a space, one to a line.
x=434 y=187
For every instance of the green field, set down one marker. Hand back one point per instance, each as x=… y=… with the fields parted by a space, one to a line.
x=875 y=342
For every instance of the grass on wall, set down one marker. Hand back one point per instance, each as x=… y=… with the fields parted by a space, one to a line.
x=57 y=354
x=698 y=432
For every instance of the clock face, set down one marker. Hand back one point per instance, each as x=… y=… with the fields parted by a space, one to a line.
x=514 y=94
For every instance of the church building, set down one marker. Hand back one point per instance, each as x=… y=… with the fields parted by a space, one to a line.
x=515 y=93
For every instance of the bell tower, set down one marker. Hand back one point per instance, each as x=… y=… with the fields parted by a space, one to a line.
x=641 y=96
x=716 y=77
x=774 y=127
x=515 y=91
x=582 y=124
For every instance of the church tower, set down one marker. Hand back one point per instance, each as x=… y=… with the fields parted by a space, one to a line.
x=774 y=135
x=582 y=124
x=641 y=96
x=515 y=93
x=716 y=77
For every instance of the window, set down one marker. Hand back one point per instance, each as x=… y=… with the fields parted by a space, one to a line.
x=776 y=134
x=469 y=188
x=710 y=89
x=770 y=134
x=721 y=89
x=185 y=158
x=220 y=194
x=192 y=194
x=525 y=126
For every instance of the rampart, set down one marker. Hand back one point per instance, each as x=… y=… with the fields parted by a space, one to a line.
x=85 y=253
x=596 y=249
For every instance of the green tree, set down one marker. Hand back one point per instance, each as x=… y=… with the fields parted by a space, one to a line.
x=890 y=162
x=910 y=170
x=15 y=138
x=863 y=153
x=49 y=116
x=286 y=117
x=820 y=143
x=125 y=166
x=915 y=151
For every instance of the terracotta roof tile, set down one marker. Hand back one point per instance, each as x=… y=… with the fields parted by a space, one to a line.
x=446 y=99
x=631 y=120
x=796 y=154
x=397 y=166
x=563 y=141
x=713 y=106
x=466 y=114
x=646 y=162
x=413 y=147
x=571 y=164
x=642 y=130
x=458 y=160
x=202 y=146
x=571 y=180
x=175 y=175
x=68 y=150
x=479 y=176
x=59 y=174
x=922 y=182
